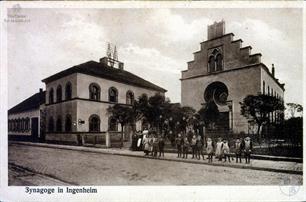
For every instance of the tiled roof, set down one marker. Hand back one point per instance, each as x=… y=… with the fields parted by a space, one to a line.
x=32 y=102
x=103 y=71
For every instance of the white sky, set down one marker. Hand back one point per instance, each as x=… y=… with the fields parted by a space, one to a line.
x=153 y=43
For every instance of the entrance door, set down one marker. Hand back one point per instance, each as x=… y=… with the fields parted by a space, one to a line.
x=34 y=129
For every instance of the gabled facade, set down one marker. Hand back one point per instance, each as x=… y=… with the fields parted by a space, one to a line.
x=225 y=72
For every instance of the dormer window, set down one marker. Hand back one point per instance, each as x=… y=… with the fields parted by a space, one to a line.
x=215 y=61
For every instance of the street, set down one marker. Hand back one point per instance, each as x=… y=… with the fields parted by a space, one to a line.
x=32 y=165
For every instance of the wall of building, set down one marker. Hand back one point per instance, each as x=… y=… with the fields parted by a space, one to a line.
x=27 y=114
x=62 y=81
x=83 y=82
x=240 y=83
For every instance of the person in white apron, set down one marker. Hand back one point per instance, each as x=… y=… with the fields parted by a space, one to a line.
x=226 y=151
x=218 y=152
x=210 y=150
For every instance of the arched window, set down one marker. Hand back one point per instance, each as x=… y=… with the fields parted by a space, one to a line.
x=18 y=125
x=211 y=64
x=68 y=123
x=94 y=91
x=219 y=62
x=94 y=123
x=59 y=124
x=129 y=97
x=68 y=91
x=51 y=96
x=263 y=87
x=112 y=124
x=59 y=93
x=113 y=94
x=268 y=90
x=51 y=124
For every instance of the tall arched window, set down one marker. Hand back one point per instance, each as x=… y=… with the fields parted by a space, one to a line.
x=22 y=125
x=68 y=91
x=94 y=91
x=219 y=62
x=59 y=124
x=51 y=96
x=68 y=123
x=129 y=97
x=113 y=94
x=94 y=123
x=263 y=87
x=112 y=124
x=51 y=124
x=59 y=93
x=211 y=64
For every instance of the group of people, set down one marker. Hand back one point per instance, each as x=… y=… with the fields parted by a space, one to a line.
x=153 y=145
x=221 y=149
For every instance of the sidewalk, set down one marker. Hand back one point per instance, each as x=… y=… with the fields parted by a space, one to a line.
x=265 y=165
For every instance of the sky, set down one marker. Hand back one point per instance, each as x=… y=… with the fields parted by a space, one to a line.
x=155 y=44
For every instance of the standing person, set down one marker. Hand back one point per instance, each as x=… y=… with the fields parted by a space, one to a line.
x=193 y=144
x=185 y=147
x=139 y=141
x=134 y=142
x=247 y=149
x=226 y=150
x=210 y=150
x=178 y=142
x=238 y=150
x=161 y=145
x=151 y=143
x=146 y=146
x=200 y=147
x=155 y=145
x=218 y=152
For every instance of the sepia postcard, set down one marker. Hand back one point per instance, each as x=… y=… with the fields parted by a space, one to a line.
x=152 y=101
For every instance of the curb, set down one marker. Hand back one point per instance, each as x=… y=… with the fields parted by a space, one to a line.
x=99 y=150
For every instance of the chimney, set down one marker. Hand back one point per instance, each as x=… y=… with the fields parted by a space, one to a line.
x=215 y=30
x=121 y=65
x=104 y=60
x=273 y=70
x=40 y=90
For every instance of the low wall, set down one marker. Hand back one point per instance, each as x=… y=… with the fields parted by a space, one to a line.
x=77 y=138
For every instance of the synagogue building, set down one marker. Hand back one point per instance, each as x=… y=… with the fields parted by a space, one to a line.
x=225 y=72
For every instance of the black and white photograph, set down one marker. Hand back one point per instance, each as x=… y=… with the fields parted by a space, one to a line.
x=177 y=96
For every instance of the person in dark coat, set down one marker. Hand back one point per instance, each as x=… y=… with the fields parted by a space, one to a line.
x=178 y=142
x=247 y=149
x=134 y=142
x=161 y=146
x=238 y=149
x=200 y=146
x=193 y=144
x=185 y=147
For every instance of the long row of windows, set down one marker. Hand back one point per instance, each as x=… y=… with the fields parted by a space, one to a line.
x=94 y=94
x=19 y=125
x=93 y=124
x=270 y=91
x=68 y=93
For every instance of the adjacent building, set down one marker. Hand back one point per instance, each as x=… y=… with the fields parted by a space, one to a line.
x=77 y=99
x=225 y=72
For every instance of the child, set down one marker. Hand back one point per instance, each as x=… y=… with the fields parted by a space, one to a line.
x=200 y=148
x=247 y=149
x=226 y=151
x=185 y=147
x=210 y=150
x=178 y=142
x=155 y=146
x=238 y=150
x=219 y=149
x=193 y=144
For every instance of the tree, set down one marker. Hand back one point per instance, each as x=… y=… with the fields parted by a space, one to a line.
x=123 y=114
x=257 y=108
x=293 y=108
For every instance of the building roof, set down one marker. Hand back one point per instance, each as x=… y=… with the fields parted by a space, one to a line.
x=103 y=71
x=30 y=103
